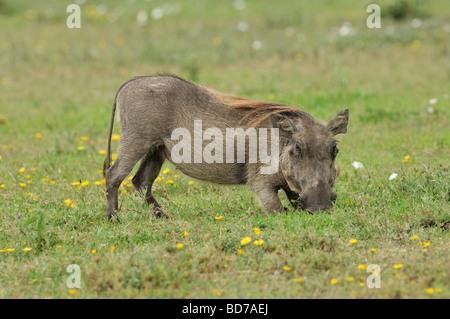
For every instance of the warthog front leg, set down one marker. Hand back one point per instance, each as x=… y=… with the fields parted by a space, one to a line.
x=293 y=197
x=268 y=197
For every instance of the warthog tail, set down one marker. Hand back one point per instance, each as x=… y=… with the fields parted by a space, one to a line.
x=107 y=162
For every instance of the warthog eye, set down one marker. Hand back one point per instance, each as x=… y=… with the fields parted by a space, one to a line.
x=298 y=149
x=334 y=152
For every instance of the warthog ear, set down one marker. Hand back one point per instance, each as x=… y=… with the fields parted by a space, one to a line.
x=283 y=123
x=338 y=124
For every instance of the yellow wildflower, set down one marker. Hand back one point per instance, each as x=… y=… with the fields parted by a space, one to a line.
x=166 y=171
x=256 y=230
x=333 y=281
x=179 y=246
x=397 y=266
x=258 y=242
x=191 y=183
x=362 y=267
x=27 y=249
x=287 y=268
x=74 y=292
x=218 y=217
x=9 y=250
x=115 y=137
x=245 y=240
x=353 y=241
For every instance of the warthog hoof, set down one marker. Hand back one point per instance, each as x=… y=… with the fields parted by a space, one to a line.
x=158 y=212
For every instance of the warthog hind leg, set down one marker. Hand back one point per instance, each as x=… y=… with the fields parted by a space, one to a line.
x=145 y=176
x=127 y=158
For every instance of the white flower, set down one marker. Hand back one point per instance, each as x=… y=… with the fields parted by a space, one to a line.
x=346 y=30
x=157 y=13
x=242 y=26
x=141 y=18
x=357 y=165
x=239 y=4
x=432 y=101
x=256 y=45
x=393 y=176
x=415 y=23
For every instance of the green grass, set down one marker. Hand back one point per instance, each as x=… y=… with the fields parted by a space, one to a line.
x=61 y=83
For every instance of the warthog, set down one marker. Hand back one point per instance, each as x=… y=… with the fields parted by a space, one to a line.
x=151 y=108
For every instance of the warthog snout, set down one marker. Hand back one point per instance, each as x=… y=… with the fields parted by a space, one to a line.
x=316 y=201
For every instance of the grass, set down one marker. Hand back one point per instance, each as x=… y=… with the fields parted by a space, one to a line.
x=60 y=84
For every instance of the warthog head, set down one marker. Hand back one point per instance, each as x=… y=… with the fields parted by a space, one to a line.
x=308 y=152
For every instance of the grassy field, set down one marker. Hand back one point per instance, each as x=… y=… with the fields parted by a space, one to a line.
x=57 y=87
